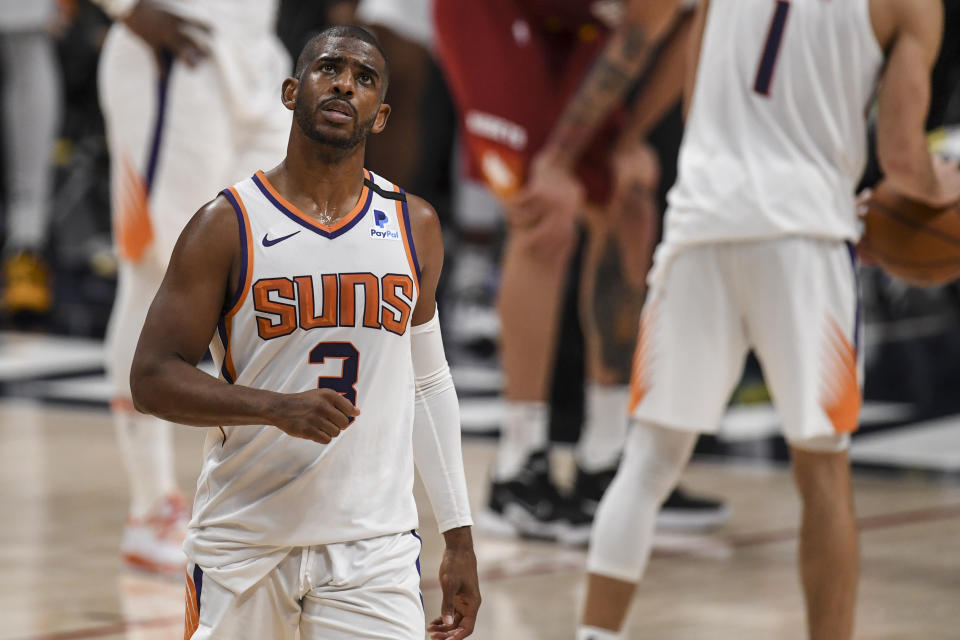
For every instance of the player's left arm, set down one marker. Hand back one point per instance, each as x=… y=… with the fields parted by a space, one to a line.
x=436 y=437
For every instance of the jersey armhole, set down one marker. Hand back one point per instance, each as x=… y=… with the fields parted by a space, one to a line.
x=246 y=251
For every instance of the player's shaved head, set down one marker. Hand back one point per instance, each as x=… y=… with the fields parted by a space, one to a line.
x=310 y=50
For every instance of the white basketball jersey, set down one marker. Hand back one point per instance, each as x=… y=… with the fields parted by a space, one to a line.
x=319 y=306
x=776 y=137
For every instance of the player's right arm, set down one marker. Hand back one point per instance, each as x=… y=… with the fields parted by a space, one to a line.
x=910 y=32
x=164 y=378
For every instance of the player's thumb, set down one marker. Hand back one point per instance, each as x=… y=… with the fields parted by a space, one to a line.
x=446 y=608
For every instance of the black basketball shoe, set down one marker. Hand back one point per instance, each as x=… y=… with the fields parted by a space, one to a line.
x=530 y=506
x=688 y=513
x=681 y=512
x=589 y=487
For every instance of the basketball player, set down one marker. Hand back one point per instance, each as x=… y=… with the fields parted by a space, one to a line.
x=180 y=81
x=306 y=520
x=529 y=80
x=757 y=254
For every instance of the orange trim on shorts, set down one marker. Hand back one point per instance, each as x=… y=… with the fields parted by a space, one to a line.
x=133 y=231
x=639 y=375
x=841 y=393
x=245 y=285
x=406 y=242
x=227 y=356
x=191 y=616
x=342 y=222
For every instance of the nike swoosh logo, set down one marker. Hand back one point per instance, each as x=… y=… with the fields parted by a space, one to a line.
x=267 y=242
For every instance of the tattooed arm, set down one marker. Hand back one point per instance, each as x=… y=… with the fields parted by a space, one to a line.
x=553 y=197
x=663 y=84
x=612 y=75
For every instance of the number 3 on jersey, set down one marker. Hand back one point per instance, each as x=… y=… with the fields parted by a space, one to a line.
x=346 y=383
x=772 y=48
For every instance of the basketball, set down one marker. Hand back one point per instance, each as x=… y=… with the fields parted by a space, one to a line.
x=912 y=241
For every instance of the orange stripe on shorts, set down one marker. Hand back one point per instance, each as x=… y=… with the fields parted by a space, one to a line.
x=133 y=231
x=191 y=617
x=841 y=392
x=639 y=376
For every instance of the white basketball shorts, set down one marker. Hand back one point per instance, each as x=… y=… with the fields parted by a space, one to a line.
x=368 y=589
x=793 y=300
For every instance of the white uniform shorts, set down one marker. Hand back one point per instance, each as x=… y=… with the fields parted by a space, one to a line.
x=368 y=589
x=794 y=301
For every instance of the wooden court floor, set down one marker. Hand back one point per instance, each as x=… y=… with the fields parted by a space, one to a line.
x=62 y=503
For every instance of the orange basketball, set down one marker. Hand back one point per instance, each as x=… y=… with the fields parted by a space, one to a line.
x=911 y=241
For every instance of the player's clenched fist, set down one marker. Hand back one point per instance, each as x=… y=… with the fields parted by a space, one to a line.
x=318 y=414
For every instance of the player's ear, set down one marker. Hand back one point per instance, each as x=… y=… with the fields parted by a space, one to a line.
x=381 y=121
x=288 y=93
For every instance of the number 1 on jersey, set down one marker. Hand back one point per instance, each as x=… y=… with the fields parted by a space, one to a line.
x=772 y=48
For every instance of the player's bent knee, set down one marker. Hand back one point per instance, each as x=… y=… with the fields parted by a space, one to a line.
x=656 y=456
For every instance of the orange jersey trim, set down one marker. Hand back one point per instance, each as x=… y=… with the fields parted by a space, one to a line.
x=292 y=209
x=227 y=356
x=247 y=255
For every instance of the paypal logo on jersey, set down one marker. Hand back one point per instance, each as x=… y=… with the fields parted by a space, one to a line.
x=383 y=227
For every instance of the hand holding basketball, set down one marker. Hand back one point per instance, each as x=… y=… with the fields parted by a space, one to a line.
x=913 y=241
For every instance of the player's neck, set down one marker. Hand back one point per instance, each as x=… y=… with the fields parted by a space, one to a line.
x=319 y=186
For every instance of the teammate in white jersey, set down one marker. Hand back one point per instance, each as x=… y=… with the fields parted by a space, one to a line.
x=305 y=520
x=757 y=253
x=188 y=92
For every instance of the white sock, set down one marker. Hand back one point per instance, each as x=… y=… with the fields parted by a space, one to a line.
x=146 y=446
x=605 y=428
x=596 y=633
x=524 y=432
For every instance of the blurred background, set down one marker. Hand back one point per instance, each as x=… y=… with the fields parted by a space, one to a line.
x=59 y=271
x=912 y=336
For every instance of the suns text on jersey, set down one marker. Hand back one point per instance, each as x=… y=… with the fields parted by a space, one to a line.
x=284 y=304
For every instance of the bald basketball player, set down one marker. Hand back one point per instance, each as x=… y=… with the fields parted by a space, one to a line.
x=315 y=281
x=758 y=253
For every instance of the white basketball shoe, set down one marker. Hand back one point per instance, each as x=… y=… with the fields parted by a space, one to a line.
x=155 y=543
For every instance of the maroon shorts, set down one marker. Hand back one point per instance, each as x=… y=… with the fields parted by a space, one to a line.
x=512 y=67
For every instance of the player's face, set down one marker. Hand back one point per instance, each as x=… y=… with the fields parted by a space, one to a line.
x=339 y=97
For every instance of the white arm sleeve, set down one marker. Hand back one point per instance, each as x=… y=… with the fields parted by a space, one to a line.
x=116 y=9
x=436 y=429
